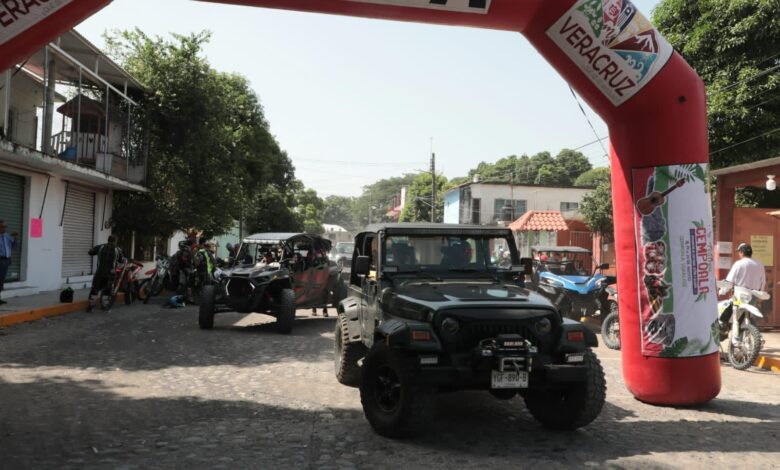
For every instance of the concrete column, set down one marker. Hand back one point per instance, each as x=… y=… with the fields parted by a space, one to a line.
x=724 y=217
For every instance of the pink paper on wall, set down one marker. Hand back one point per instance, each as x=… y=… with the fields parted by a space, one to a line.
x=36 y=228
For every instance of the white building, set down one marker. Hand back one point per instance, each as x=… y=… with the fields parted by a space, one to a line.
x=61 y=160
x=486 y=203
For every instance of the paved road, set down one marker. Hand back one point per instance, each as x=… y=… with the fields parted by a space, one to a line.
x=143 y=387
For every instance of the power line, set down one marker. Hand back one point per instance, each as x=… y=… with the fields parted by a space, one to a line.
x=745 y=80
x=589 y=123
x=346 y=162
x=745 y=141
x=591 y=143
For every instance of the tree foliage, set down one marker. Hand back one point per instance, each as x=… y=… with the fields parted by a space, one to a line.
x=418 y=200
x=212 y=158
x=734 y=45
x=596 y=209
x=540 y=168
x=592 y=178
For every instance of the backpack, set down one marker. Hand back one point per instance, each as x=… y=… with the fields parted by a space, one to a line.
x=66 y=295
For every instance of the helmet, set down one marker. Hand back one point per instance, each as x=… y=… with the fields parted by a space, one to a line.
x=177 y=301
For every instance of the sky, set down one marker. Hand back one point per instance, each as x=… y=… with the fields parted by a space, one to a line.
x=355 y=100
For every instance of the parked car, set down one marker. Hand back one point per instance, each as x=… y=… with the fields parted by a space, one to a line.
x=275 y=273
x=431 y=308
x=561 y=275
x=342 y=254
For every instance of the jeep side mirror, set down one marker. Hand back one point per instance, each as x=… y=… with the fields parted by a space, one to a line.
x=603 y=266
x=362 y=265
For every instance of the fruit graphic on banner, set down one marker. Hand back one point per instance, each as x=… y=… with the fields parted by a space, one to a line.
x=677 y=298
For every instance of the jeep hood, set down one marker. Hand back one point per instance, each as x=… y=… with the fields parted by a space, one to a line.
x=467 y=294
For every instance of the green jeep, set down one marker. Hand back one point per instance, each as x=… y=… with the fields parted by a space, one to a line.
x=434 y=308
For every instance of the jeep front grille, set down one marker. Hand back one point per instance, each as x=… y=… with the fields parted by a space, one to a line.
x=472 y=333
x=239 y=288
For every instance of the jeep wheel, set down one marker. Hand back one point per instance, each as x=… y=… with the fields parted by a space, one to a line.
x=610 y=331
x=339 y=293
x=285 y=317
x=347 y=354
x=206 y=308
x=394 y=402
x=574 y=406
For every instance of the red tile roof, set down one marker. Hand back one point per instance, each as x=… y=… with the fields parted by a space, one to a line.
x=542 y=221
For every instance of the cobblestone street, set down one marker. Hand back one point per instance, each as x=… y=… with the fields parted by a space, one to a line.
x=143 y=387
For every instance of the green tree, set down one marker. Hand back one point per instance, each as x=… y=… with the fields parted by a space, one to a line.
x=378 y=195
x=309 y=209
x=573 y=164
x=592 y=178
x=418 y=202
x=596 y=208
x=733 y=45
x=211 y=154
x=338 y=211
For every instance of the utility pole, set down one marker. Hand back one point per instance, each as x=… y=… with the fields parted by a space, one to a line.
x=512 y=193
x=433 y=185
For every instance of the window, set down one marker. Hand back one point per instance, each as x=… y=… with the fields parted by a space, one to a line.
x=501 y=209
x=570 y=206
x=476 y=208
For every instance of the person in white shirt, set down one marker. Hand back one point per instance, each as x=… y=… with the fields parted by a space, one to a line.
x=747 y=272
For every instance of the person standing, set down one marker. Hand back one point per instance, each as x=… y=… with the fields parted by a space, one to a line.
x=108 y=255
x=747 y=272
x=7 y=245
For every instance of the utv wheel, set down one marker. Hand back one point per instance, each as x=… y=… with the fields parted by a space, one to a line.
x=610 y=331
x=206 y=309
x=394 y=402
x=347 y=355
x=575 y=406
x=285 y=318
x=745 y=354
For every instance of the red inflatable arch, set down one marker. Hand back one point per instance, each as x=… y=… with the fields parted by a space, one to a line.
x=654 y=105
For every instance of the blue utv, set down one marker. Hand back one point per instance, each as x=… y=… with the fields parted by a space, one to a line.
x=560 y=274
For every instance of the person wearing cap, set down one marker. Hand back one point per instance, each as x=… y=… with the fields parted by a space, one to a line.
x=747 y=272
x=7 y=246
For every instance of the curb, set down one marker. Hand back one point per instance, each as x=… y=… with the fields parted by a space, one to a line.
x=26 y=316
x=769 y=363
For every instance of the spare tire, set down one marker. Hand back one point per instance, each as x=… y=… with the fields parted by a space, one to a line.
x=285 y=317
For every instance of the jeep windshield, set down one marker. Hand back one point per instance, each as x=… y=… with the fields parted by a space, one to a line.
x=445 y=254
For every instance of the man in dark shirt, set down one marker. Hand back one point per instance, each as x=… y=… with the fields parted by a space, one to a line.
x=108 y=255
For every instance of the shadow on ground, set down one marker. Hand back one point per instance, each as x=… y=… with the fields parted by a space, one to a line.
x=61 y=422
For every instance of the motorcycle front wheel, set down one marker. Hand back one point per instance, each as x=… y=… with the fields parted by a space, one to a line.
x=107 y=299
x=610 y=330
x=745 y=352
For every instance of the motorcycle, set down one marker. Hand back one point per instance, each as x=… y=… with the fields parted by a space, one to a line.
x=736 y=323
x=610 y=325
x=124 y=280
x=158 y=279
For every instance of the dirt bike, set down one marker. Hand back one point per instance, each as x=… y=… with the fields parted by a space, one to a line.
x=123 y=280
x=159 y=278
x=610 y=326
x=735 y=319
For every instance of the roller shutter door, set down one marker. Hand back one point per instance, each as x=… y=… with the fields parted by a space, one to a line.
x=12 y=212
x=78 y=232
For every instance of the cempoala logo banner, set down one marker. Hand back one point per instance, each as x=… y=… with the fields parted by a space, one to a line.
x=614 y=44
x=463 y=6
x=18 y=15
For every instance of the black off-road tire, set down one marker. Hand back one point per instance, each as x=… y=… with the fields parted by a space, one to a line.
x=285 y=318
x=415 y=404
x=145 y=290
x=346 y=355
x=206 y=308
x=339 y=292
x=610 y=331
x=575 y=406
x=753 y=350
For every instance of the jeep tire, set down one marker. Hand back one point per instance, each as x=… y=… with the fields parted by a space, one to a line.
x=285 y=317
x=576 y=405
x=346 y=355
x=206 y=308
x=394 y=401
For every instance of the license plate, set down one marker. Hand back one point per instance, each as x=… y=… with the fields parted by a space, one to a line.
x=509 y=379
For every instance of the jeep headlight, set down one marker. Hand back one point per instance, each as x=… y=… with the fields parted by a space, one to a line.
x=543 y=326
x=450 y=326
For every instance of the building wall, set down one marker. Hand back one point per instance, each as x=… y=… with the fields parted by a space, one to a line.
x=536 y=198
x=26 y=94
x=452 y=207
x=42 y=257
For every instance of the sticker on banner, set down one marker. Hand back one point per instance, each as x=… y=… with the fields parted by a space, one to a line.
x=463 y=6
x=673 y=229
x=613 y=44
x=16 y=16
